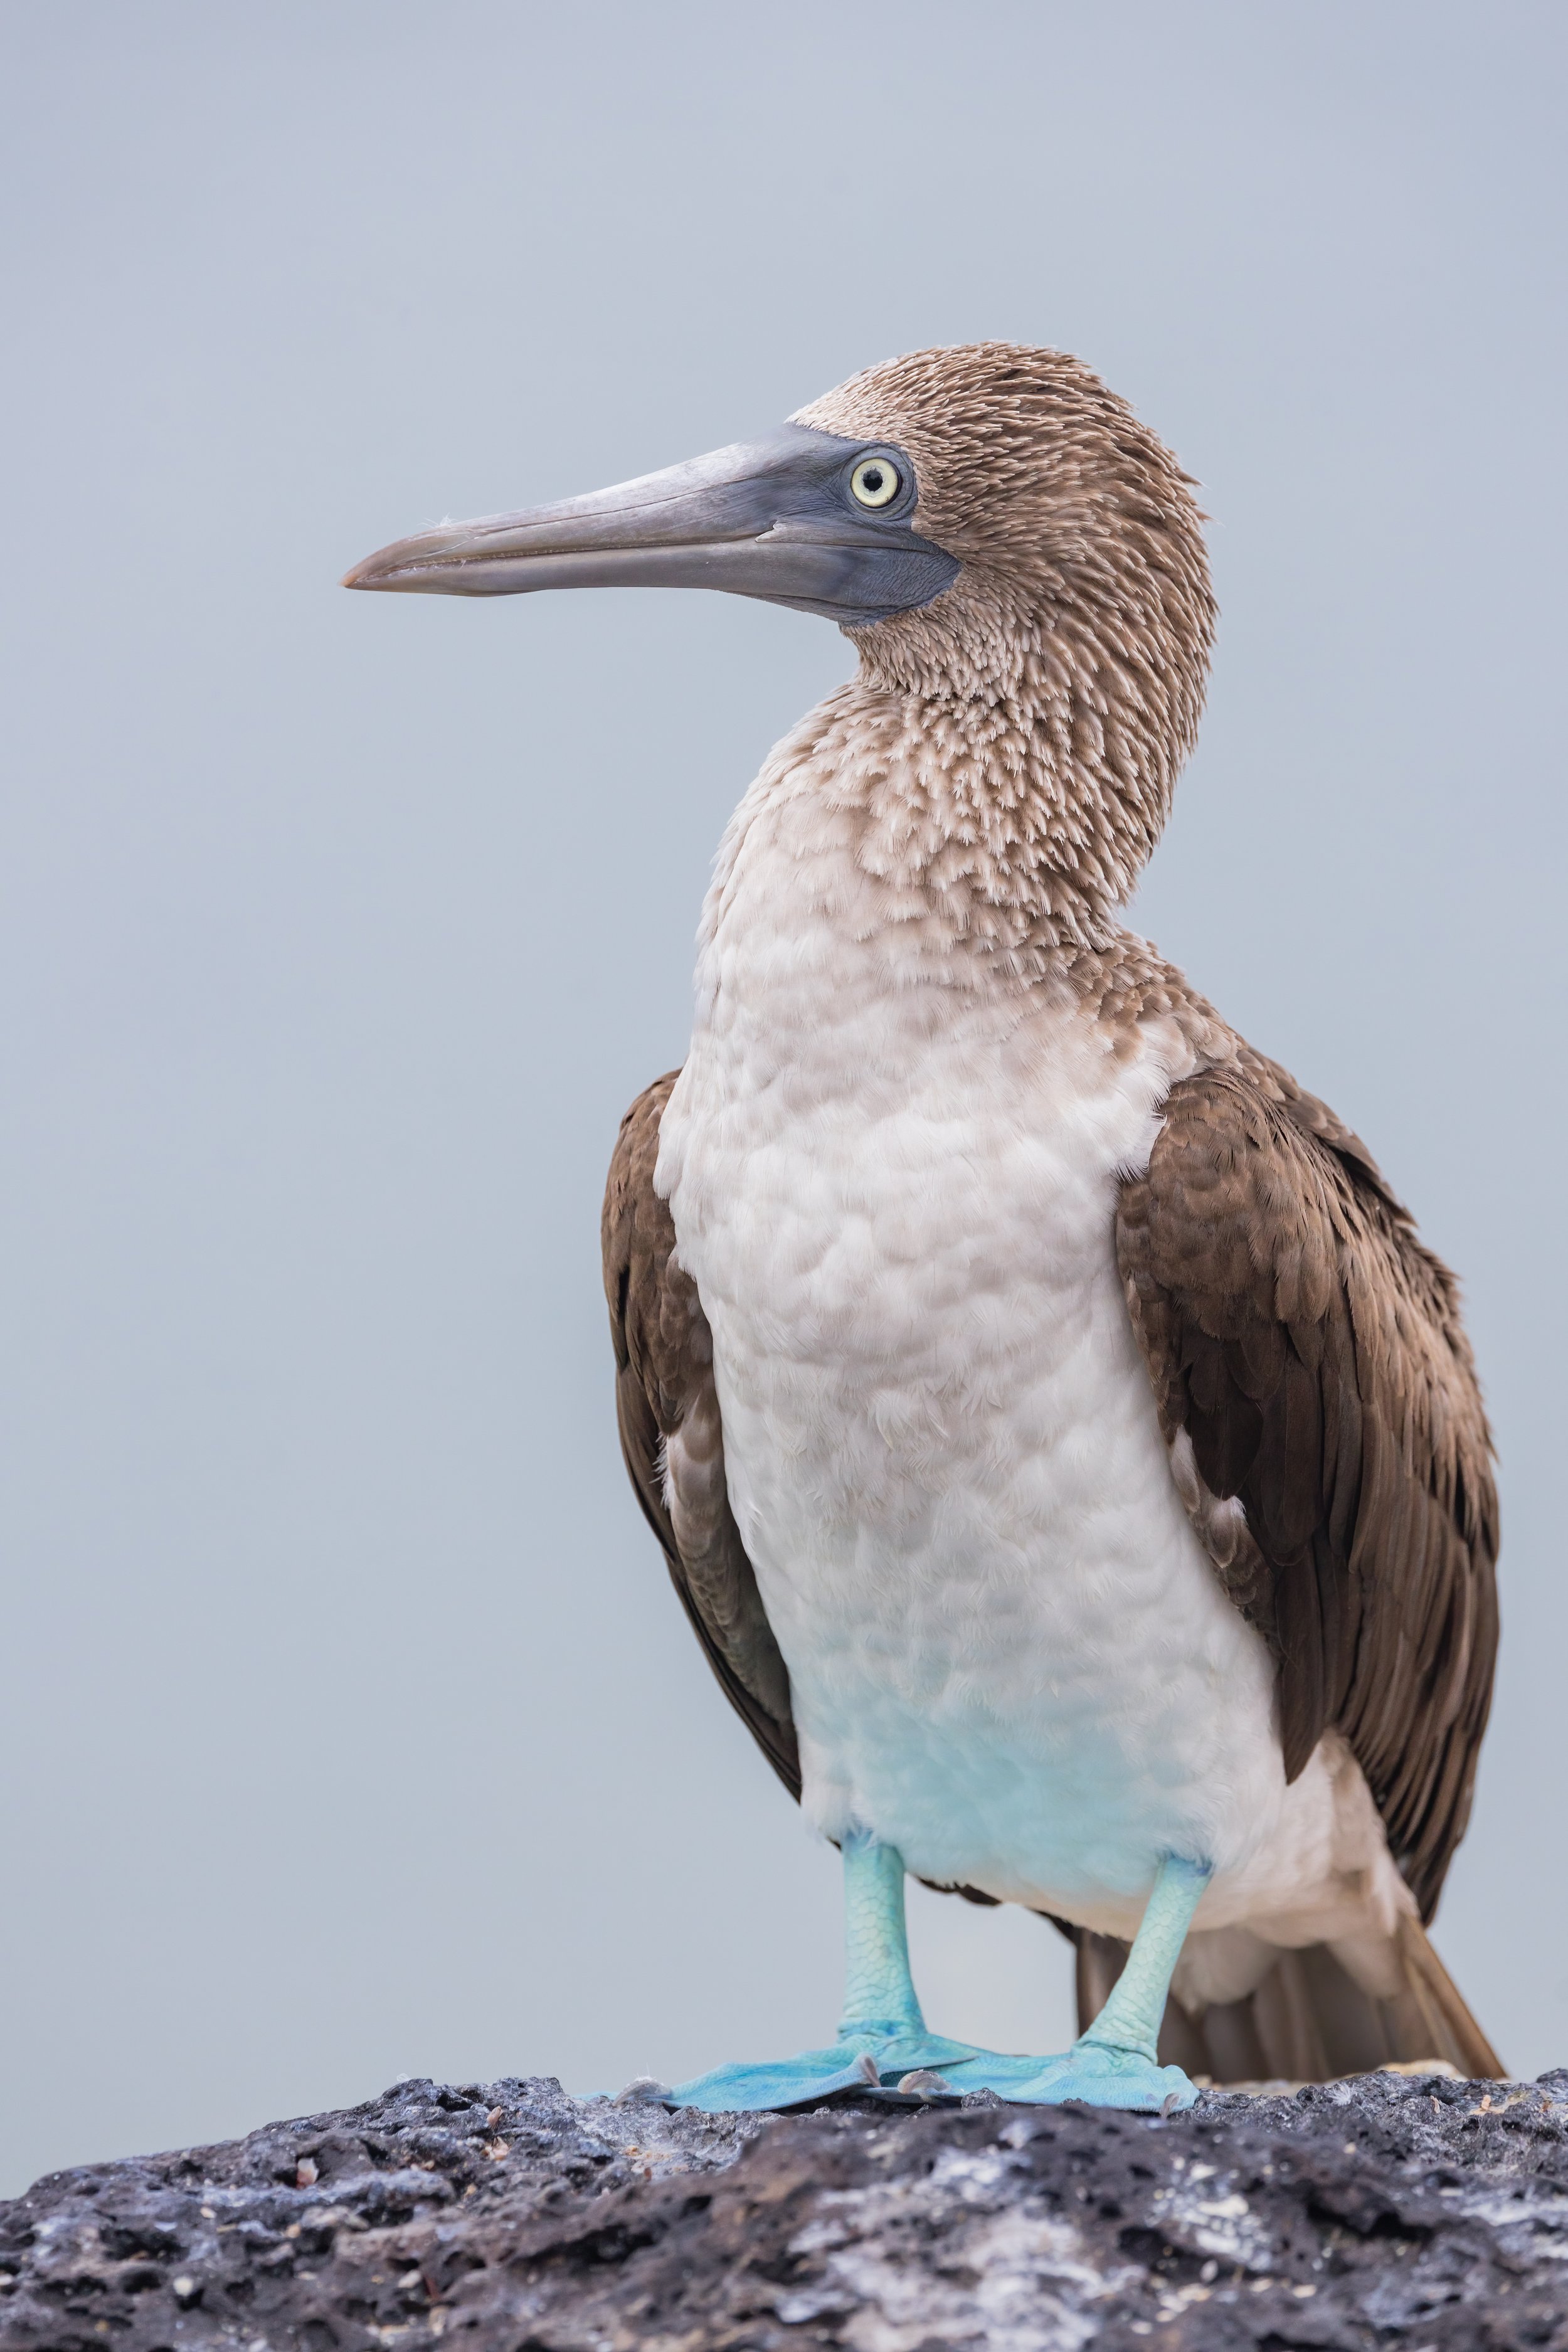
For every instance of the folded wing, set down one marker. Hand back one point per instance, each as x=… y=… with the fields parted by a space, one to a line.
x=673 y=1446
x=1309 y=1366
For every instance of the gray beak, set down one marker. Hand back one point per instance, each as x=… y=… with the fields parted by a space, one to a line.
x=785 y=518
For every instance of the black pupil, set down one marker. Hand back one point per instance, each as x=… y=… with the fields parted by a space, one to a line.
x=873 y=478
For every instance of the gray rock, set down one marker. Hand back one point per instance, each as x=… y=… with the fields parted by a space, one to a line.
x=1386 y=2211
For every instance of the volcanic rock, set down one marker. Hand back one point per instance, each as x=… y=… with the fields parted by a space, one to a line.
x=1389 y=2211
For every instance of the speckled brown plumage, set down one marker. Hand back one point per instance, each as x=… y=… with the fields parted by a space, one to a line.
x=1080 y=626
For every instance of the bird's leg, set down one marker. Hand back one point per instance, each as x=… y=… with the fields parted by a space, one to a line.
x=882 y=2038
x=1115 y=2062
x=1129 y=2021
x=879 y=1996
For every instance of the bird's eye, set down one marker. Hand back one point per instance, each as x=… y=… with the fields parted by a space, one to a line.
x=875 y=482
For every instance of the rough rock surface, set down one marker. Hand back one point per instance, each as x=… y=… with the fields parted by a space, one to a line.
x=1387 y=2211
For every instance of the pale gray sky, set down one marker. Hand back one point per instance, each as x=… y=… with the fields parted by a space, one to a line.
x=349 y=1727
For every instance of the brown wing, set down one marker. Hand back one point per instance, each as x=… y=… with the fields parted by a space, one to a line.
x=672 y=1441
x=1310 y=1349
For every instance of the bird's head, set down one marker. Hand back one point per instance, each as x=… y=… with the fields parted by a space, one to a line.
x=989 y=523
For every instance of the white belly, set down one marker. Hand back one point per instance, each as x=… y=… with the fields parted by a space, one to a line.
x=1008 y=1655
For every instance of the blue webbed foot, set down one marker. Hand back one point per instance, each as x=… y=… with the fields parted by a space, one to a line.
x=1099 y=2075
x=931 y=2066
x=856 y=2061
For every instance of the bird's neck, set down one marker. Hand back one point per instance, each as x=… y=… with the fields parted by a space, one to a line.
x=1004 y=819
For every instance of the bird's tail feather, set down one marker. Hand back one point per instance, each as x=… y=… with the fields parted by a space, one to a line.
x=1309 y=2020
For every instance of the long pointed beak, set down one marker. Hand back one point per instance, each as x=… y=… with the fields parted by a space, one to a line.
x=774 y=518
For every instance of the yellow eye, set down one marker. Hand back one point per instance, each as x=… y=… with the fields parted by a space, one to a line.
x=876 y=481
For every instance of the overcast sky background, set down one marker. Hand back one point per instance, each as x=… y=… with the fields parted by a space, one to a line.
x=349 y=1726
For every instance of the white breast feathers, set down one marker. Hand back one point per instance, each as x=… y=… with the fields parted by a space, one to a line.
x=893 y=1168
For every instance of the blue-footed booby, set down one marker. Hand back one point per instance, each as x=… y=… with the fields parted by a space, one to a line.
x=1067 y=1456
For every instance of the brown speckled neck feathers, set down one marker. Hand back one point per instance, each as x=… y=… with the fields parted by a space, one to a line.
x=1058 y=683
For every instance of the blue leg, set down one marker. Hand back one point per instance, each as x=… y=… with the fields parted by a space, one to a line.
x=881 y=2037
x=1114 y=2062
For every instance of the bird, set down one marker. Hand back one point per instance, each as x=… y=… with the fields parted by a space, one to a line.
x=1067 y=1454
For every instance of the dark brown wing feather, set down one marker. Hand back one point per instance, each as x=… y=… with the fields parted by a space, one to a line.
x=1311 y=1349
x=666 y=1403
